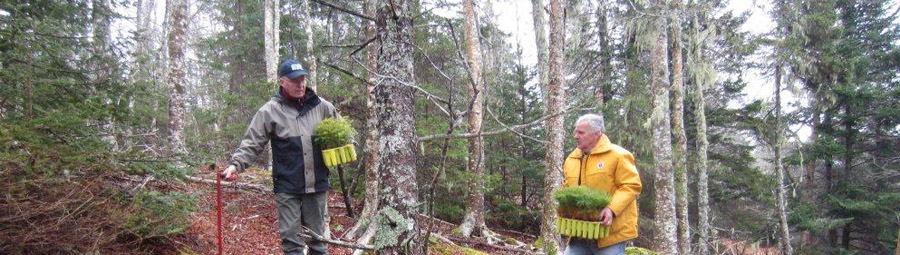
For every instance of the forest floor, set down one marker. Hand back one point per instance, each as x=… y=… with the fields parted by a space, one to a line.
x=250 y=225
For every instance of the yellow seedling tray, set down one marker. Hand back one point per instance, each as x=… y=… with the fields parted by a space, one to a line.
x=581 y=229
x=340 y=155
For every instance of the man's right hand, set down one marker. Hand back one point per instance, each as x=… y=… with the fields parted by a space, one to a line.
x=230 y=173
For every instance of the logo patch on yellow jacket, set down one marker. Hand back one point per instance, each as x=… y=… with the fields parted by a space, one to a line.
x=600 y=165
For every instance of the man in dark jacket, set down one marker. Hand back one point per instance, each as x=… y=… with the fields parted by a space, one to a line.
x=300 y=177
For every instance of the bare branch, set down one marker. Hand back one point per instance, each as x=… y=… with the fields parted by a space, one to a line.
x=307 y=233
x=345 y=10
x=513 y=130
x=434 y=99
x=495 y=132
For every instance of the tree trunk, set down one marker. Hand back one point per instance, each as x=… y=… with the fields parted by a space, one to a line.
x=272 y=27
x=310 y=57
x=702 y=143
x=556 y=99
x=271 y=31
x=897 y=248
x=523 y=115
x=540 y=39
x=662 y=141
x=176 y=75
x=370 y=158
x=680 y=149
x=398 y=231
x=784 y=231
x=100 y=24
x=606 y=69
x=474 y=217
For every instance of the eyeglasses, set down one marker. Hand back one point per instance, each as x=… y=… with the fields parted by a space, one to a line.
x=300 y=81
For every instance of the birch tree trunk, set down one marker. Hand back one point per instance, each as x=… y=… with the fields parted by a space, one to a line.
x=540 y=39
x=702 y=142
x=779 y=170
x=474 y=217
x=363 y=227
x=556 y=99
x=680 y=149
x=271 y=30
x=398 y=231
x=662 y=141
x=310 y=58
x=176 y=75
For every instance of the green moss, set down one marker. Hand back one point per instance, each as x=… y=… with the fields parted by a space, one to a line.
x=334 y=132
x=638 y=251
x=539 y=243
x=440 y=248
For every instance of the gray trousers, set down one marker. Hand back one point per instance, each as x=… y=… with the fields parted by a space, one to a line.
x=296 y=210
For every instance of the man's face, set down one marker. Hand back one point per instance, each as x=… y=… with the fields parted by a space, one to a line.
x=295 y=88
x=585 y=139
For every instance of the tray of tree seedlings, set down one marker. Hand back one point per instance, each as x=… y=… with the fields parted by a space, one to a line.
x=579 y=212
x=335 y=137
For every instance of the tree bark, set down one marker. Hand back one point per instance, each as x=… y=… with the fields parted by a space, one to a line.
x=540 y=39
x=680 y=148
x=473 y=221
x=398 y=231
x=784 y=230
x=370 y=158
x=897 y=248
x=701 y=140
x=270 y=34
x=310 y=57
x=556 y=99
x=606 y=69
x=662 y=141
x=176 y=75
x=271 y=29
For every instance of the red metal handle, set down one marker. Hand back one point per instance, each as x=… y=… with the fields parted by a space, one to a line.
x=218 y=205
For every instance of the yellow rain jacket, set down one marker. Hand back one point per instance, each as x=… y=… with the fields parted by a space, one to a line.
x=609 y=168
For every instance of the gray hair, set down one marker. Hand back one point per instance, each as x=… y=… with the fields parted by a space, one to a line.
x=594 y=121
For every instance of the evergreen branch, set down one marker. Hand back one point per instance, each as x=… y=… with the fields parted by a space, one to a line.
x=345 y=10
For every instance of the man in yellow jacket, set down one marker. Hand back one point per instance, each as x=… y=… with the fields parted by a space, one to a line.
x=598 y=164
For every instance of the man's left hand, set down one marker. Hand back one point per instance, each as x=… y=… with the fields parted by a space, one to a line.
x=606 y=216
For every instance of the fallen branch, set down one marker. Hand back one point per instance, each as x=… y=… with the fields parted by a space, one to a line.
x=244 y=186
x=143 y=183
x=307 y=233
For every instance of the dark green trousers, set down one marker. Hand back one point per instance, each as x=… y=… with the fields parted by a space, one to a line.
x=301 y=210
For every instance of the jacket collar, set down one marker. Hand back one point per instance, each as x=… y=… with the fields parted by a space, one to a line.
x=603 y=145
x=310 y=101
